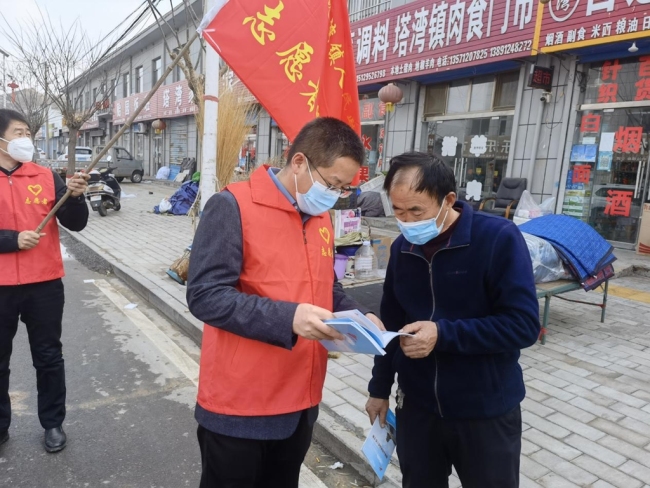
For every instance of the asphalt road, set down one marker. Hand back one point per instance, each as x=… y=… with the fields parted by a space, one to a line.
x=131 y=386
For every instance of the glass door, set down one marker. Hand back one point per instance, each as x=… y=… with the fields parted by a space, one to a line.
x=476 y=149
x=620 y=171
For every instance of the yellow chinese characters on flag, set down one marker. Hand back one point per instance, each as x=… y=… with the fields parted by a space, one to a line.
x=296 y=58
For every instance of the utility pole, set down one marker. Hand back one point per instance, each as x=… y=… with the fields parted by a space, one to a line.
x=210 y=114
x=4 y=76
x=47 y=118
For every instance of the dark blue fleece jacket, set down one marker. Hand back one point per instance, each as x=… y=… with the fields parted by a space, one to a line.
x=480 y=291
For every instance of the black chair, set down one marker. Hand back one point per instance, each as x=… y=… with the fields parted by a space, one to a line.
x=508 y=195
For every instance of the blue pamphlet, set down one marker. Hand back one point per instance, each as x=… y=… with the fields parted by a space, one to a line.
x=380 y=444
x=361 y=334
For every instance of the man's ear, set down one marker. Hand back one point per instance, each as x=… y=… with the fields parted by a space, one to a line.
x=297 y=162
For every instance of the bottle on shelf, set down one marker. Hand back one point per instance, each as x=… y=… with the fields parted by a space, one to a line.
x=365 y=262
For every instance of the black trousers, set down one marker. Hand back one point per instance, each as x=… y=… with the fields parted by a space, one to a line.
x=485 y=452
x=40 y=307
x=230 y=462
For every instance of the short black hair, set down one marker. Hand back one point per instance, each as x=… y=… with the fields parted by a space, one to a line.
x=433 y=176
x=324 y=140
x=7 y=117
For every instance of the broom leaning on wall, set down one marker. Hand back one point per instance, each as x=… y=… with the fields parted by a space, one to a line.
x=235 y=111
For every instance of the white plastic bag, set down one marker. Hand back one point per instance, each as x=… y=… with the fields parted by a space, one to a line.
x=163 y=173
x=547 y=265
x=527 y=208
x=164 y=206
x=548 y=206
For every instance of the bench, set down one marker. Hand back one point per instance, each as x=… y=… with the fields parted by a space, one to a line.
x=556 y=288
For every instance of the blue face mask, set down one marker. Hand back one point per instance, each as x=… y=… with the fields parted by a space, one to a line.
x=318 y=198
x=421 y=232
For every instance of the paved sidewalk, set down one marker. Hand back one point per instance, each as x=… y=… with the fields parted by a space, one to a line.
x=587 y=412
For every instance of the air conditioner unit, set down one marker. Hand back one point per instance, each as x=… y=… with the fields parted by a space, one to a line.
x=139 y=128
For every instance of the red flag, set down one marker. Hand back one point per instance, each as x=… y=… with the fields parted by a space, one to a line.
x=295 y=57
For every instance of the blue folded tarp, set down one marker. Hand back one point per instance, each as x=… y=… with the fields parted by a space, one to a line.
x=577 y=242
x=182 y=200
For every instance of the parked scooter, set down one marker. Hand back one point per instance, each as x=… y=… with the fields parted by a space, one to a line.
x=103 y=191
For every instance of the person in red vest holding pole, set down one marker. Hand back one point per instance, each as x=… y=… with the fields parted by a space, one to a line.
x=262 y=279
x=31 y=270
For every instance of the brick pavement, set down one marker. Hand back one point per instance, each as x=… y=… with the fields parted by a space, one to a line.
x=587 y=412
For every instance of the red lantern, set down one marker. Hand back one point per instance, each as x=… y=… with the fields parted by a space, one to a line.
x=13 y=85
x=390 y=95
x=158 y=125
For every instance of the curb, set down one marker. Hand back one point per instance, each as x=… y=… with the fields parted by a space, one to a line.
x=328 y=431
x=341 y=441
x=159 y=299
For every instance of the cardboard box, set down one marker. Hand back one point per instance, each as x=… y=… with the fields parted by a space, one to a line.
x=382 y=251
x=643 y=245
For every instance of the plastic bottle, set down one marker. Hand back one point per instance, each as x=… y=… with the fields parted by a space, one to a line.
x=365 y=262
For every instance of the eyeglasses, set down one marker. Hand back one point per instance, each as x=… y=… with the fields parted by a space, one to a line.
x=341 y=192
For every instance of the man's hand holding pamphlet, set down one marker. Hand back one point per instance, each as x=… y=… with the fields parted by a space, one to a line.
x=360 y=334
x=380 y=444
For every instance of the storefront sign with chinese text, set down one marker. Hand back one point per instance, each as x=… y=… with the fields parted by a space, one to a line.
x=173 y=100
x=483 y=147
x=619 y=203
x=620 y=81
x=541 y=78
x=581 y=174
x=425 y=37
x=92 y=123
x=372 y=109
x=571 y=24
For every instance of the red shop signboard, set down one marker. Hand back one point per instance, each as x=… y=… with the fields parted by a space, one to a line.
x=424 y=37
x=571 y=24
x=173 y=100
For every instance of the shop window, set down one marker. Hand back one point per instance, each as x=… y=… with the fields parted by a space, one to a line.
x=458 y=97
x=482 y=92
x=618 y=81
x=435 y=100
x=607 y=182
x=475 y=148
x=506 y=91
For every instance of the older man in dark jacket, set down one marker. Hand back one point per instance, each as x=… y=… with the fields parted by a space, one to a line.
x=462 y=283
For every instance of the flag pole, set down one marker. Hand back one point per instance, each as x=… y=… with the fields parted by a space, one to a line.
x=126 y=125
x=209 y=180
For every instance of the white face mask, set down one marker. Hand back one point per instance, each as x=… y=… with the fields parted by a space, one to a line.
x=21 y=149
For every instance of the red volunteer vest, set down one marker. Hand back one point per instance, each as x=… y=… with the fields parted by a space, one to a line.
x=282 y=261
x=26 y=197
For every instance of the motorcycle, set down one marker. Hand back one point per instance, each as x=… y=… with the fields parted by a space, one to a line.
x=103 y=191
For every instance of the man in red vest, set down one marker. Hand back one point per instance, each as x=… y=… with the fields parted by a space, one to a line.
x=31 y=270
x=262 y=279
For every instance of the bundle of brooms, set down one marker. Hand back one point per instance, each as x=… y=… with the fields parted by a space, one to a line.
x=232 y=129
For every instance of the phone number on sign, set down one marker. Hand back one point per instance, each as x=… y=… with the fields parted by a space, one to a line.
x=512 y=48
x=373 y=75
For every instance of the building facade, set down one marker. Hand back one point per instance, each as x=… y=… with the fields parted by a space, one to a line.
x=133 y=71
x=557 y=94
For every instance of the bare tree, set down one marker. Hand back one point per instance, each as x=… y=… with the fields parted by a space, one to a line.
x=189 y=66
x=30 y=102
x=66 y=65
